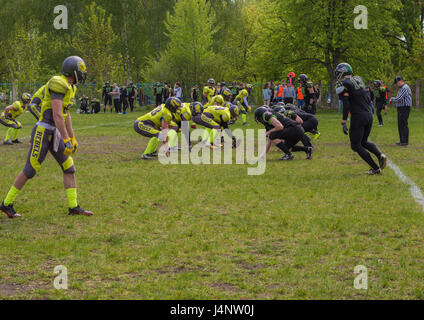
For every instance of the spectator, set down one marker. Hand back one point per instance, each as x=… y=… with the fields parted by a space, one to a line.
x=271 y=88
x=95 y=106
x=194 y=95
x=300 y=99
x=403 y=103
x=289 y=94
x=116 y=94
x=84 y=104
x=218 y=89
x=278 y=92
x=266 y=92
x=167 y=92
x=178 y=92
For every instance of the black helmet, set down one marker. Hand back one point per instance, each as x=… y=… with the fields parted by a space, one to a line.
x=75 y=67
x=107 y=83
x=303 y=78
x=211 y=81
x=223 y=83
x=279 y=109
x=377 y=83
x=290 y=106
x=260 y=112
x=342 y=70
x=196 y=108
x=173 y=104
x=235 y=111
x=26 y=98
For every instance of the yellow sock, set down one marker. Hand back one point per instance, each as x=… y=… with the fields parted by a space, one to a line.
x=11 y=196
x=151 y=147
x=8 y=134
x=244 y=117
x=72 y=197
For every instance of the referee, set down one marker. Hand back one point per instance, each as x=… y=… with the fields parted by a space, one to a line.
x=403 y=102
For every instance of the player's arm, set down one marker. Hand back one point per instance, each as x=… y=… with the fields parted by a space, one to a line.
x=277 y=126
x=7 y=110
x=267 y=148
x=58 y=117
x=299 y=120
x=245 y=101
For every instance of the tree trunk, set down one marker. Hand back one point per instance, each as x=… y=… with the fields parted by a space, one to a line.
x=127 y=53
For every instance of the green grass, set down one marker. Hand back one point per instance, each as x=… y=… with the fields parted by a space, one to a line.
x=212 y=231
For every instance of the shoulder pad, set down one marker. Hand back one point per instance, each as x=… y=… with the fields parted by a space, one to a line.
x=59 y=85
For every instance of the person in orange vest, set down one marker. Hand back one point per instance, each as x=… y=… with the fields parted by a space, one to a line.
x=278 y=94
x=300 y=98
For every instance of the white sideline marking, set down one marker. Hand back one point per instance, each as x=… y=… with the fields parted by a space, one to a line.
x=413 y=188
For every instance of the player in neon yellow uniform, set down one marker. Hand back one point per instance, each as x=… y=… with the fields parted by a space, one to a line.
x=208 y=91
x=215 y=101
x=8 y=119
x=35 y=105
x=241 y=101
x=151 y=124
x=54 y=133
x=184 y=114
x=213 y=119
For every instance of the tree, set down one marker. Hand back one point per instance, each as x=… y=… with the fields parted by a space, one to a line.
x=94 y=41
x=189 y=52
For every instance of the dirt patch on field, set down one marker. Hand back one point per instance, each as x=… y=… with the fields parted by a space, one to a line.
x=225 y=287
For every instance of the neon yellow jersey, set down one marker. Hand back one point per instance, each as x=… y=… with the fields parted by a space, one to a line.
x=209 y=91
x=242 y=94
x=39 y=94
x=18 y=109
x=227 y=105
x=157 y=115
x=220 y=114
x=60 y=85
x=215 y=101
x=183 y=114
x=69 y=103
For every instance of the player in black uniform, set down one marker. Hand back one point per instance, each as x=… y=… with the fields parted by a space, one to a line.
x=107 y=98
x=380 y=100
x=132 y=94
x=124 y=98
x=310 y=122
x=308 y=94
x=357 y=102
x=283 y=132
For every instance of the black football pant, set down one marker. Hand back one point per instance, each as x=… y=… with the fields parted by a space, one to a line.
x=360 y=129
x=379 y=106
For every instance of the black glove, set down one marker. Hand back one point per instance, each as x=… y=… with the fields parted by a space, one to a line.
x=345 y=129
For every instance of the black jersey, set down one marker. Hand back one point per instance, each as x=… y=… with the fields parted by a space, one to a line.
x=359 y=100
x=106 y=90
x=285 y=121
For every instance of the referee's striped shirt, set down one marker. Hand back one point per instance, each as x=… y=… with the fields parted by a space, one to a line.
x=404 y=97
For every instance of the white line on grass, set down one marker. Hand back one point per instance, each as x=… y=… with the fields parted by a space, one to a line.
x=413 y=188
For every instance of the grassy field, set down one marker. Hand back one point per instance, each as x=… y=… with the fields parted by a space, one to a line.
x=212 y=231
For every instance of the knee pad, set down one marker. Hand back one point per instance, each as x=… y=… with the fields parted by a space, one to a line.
x=68 y=166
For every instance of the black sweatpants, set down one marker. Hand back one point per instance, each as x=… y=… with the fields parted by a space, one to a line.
x=360 y=129
x=125 y=104
x=117 y=105
x=159 y=99
x=379 y=105
x=403 y=116
x=131 y=101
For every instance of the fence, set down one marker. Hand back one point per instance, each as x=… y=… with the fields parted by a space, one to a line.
x=146 y=93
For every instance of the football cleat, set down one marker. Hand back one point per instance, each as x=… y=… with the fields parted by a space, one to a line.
x=11 y=213
x=17 y=141
x=309 y=153
x=374 y=172
x=382 y=161
x=287 y=157
x=8 y=143
x=316 y=135
x=79 y=211
x=147 y=157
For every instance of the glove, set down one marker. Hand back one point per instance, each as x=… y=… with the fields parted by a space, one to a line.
x=68 y=147
x=345 y=129
x=74 y=145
